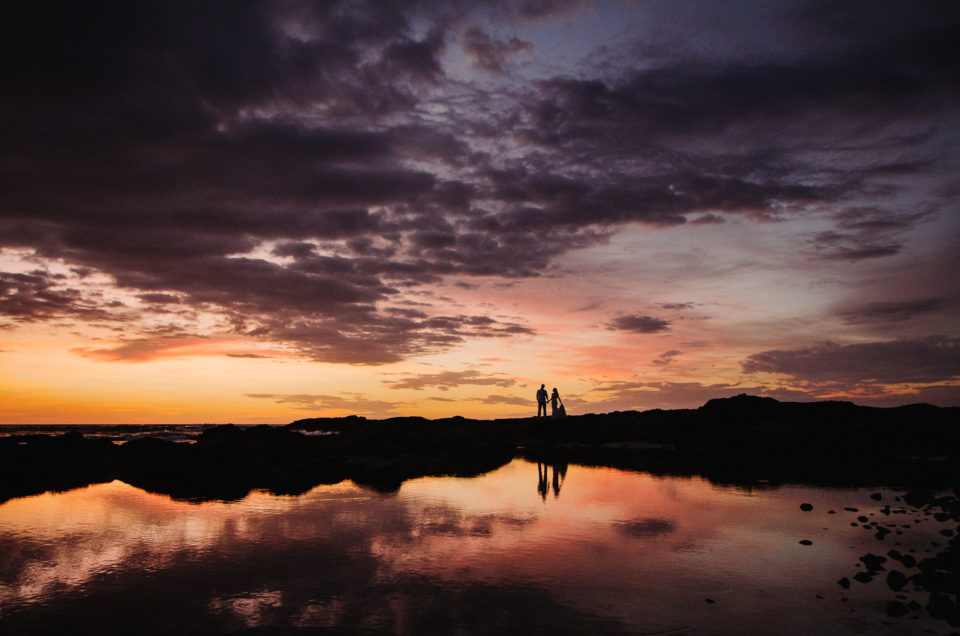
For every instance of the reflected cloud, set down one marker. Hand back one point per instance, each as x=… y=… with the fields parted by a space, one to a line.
x=644 y=528
x=440 y=553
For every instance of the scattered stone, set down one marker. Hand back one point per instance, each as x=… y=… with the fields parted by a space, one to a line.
x=940 y=606
x=896 y=580
x=852 y=509
x=831 y=512
x=863 y=577
x=862 y=519
x=806 y=542
x=876 y=496
x=895 y=555
x=806 y=507
x=909 y=561
x=947 y=532
x=873 y=562
x=881 y=533
x=896 y=609
x=844 y=583
x=710 y=600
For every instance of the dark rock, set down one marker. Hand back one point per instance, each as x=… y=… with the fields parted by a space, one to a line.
x=806 y=507
x=806 y=542
x=876 y=496
x=896 y=609
x=896 y=580
x=844 y=583
x=863 y=577
x=709 y=600
x=941 y=606
x=852 y=509
x=873 y=562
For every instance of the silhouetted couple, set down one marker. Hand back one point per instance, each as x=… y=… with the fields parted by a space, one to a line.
x=556 y=404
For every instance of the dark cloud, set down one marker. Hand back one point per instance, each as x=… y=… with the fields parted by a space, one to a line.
x=449 y=379
x=39 y=295
x=159 y=298
x=896 y=311
x=708 y=219
x=488 y=53
x=922 y=360
x=666 y=357
x=850 y=247
x=638 y=324
x=172 y=146
x=646 y=528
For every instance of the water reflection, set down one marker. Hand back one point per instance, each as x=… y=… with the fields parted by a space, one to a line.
x=620 y=552
x=559 y=474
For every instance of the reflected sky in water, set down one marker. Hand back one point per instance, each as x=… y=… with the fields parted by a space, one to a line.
x=606 y=552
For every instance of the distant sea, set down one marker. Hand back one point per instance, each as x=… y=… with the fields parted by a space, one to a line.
x=116 y=433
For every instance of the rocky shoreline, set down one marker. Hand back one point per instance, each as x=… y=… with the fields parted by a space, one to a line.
x=744 y=440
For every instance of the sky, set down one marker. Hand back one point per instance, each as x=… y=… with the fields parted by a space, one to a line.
x=264 y=211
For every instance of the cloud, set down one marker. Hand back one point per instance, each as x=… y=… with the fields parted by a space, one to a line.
x=449 y=379
x=147 y=349
x=159 y=298
x=642 y=394
x=895 y=311
x=921 y=360
x=298 y=170
x=39 y=295
x=344 y=402
x=488 y=53
x=638 y=324
x=666 y=357
x=506 y=399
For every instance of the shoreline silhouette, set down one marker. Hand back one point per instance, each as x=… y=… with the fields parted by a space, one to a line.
x=743 y=440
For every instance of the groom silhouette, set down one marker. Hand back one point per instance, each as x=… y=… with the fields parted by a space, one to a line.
x=542 y=401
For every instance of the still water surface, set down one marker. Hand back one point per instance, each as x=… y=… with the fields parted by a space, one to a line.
x=588 y=550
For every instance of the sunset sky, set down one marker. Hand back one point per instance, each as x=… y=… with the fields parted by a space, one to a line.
x=264 y=211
